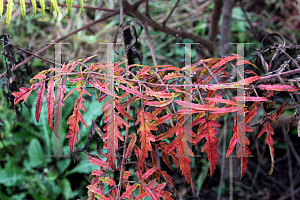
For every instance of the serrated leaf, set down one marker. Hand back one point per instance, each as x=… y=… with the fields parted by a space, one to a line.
x=131 y=145
x=73 y=121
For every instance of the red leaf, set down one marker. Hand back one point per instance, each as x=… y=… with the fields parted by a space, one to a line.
x=159 y=103
x=184 y=135
x=171 y=76
x=220 y=100
x=148 y=190
x=149 y=173
x=130 y=146
x=39 y=101
x=247 y=81
x=97 y=162
x=224 y=61
x=208 y=131
x=122 y=110
x=161 y=94
x=50 y=104
x=250 y=98
x=39 y=76
x=57 y=111
x=129 y=191
x=145 y=120
x=162 y=119
x=73 y=120
x=170 y=68
x=23 y=94
x=288 y=88
x=135 y=92
x=269 y=140
x=195 y=106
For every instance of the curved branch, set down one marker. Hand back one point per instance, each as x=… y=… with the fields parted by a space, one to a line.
x=161 y=28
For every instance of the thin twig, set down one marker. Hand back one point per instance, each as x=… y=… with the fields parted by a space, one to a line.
x=175 y=32
x=128 y=107
x=168 y=17
x=150 y=44
x=28 y=52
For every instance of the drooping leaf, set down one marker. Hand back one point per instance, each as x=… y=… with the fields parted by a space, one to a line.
x=55 y=6
x=145 y=120
x=42 y=3
x=50 y=104
x=207 y=130
x=81 y=6
x=69 y=5
x=73 y=121
x=131 y=145
x=184 y=135
x=9 y=12
x=39 y=101
x=270 y=141
x=34 y=7
x=22 y=95
x=23 y=8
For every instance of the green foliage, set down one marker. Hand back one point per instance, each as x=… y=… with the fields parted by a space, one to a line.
x=27 y=173
x=54 y=6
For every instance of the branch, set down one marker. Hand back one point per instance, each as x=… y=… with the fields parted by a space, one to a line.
x=28 y=52
x=167 y=18
x=215 y=18
x=226 y=27
x=161 y=28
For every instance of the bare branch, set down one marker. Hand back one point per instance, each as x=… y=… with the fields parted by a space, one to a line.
x=175 y=32
x=215 y=18
x=168 y=17
x=226 y=26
